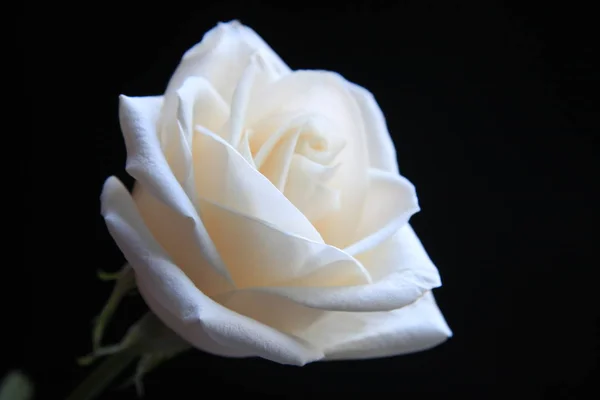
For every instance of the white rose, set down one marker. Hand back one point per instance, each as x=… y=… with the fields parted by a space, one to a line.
x=269 y=218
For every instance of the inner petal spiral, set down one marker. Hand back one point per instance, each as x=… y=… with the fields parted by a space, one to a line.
x=297 y=154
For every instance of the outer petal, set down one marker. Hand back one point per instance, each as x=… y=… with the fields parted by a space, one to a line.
x=258 y=254
x=382 y=153
x=172 y=231
x=198 y=103
x=401 y=271
x=344 y=336
x=348 y=335
x=174 y=298
x=147 y=164
x=222 y=56
x=391 y=201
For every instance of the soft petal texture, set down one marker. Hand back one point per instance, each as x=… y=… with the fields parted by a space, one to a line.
x=273 y=160
x=325 y=94
x=382 y=153
x=258 y=254
x=257 y=75
x=273 y=143
x=297 y=158
x=391 y=201
x=172 y=231
x=349 y=335
x=147 y=164
x=224 y=177
x=307 y=188
x=342 y=336
x=401 y=272
x=222 y=56
x=244 y=148
x=200 y=104
x=197 y=103
x=174 y=298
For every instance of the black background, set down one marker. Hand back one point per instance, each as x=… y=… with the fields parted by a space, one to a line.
x=489 y=105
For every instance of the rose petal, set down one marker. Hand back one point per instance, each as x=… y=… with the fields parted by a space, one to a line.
x=224 y=177
x=401 y=271
x=274 y=158
x=185 y=309
x=279 y=139
x=390 y=202
x=354 y=336
x=256 y=76
x=382 y=153
x=348 y=335
x=259 y=254
x=198 y=103
x=277 y=312
x=326 y=94
x=307 y=188
x=239 y=104
x=222 y=56
x=245 y=149
x=171 y=230
x=147 y=164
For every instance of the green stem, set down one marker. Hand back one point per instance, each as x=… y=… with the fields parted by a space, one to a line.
x=102 y=376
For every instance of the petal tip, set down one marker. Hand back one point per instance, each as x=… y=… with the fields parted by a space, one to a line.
x=234 y=23
x=123 y=99
x=110 y=187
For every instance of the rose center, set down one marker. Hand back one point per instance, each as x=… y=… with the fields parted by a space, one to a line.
x=298 y=155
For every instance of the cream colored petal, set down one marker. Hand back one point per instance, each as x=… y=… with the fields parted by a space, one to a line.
x=179 y=304
x=382 y=153
x=172 y=231
x=147 y=164
x=307 y=188
x=259 y=254
x=178 y=153
x=268 y=132
x=256 y=76
x=224 y=177
x=353 y=336
x=245 y=149
x=198 y=103
x=222 y=56
x=390 y=202
x=401 y=271
x=277 y=312
x=403 y=252
x=325 y=94
x=276 y=140
x=275 y=157
x=239 y=104
x=348 y=335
